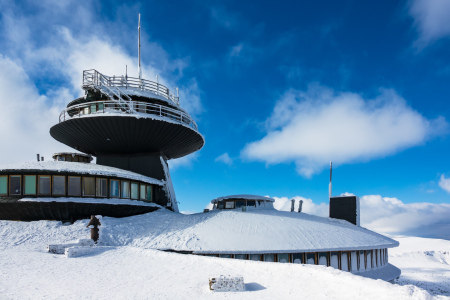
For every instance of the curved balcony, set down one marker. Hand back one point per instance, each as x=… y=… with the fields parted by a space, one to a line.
x=129 y=108
x=94 y=79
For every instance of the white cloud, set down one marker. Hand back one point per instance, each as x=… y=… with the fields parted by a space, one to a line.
x=224 y=158
x=317 y=126
x=185 y=161
x=444 y=183
x=388 y=215
x=431 y=19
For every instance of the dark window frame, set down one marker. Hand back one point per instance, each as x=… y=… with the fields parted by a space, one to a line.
x=110 y=187
x=35 y=185
x=39 y=185
x=83 y=185
x=65 y=185
x=9 y=185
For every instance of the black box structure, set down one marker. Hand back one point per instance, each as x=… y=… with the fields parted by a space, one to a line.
x=345 y=208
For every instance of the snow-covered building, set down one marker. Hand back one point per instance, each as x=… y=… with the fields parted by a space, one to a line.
x=132 y=126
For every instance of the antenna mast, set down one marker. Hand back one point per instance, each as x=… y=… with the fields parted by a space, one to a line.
x=330 y=186
x=139 y=48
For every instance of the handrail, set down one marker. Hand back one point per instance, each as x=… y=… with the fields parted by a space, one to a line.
x=92 y=78
x=135 y=107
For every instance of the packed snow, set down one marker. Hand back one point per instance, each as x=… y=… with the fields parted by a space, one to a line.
x=125 y=270
x=80 y=168
x=111 y=201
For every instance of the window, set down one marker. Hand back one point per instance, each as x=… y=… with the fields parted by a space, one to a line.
x=134 y=190
x=221 y=205
x=240 y=203
x=310 y=258
x=334 y=260
x=269 y=257
x=29 y=182
x=44 y=185
x=114 y=188
x=101 y=187
x=59 y=185
x=283 y=258
x=150 y=193
x=229 y=204
x=143 y=195
x=298 y=258
x=255 y=257
x=251 y=203
x=3 y=185
x=75 y=159
x=88 y=186
x=354 y=261
x=74 y=186
x=239 y=256
x=323 y=258
x=15 y=185
x=125 y=188
x=344 y=261
x=225 y=255
x=362 y=265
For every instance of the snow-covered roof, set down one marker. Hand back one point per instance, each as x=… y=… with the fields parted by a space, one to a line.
x=245 y=197
x=255 y=231
x=80 y=168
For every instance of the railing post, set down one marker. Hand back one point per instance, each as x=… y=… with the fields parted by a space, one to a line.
x=160 y=110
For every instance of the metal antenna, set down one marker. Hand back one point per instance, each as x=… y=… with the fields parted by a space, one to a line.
x=139 y=48
x=330 y=186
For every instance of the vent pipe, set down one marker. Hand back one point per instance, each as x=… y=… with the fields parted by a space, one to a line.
x=292 y=204
x=300 y=204
x=38 y=157
x=42 y=158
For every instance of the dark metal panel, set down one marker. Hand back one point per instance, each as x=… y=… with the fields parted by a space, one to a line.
x=344 y=208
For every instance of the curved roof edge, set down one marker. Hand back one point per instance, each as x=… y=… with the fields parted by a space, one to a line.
x=244 y=197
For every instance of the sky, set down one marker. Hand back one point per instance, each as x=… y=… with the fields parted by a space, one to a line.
x=278 y=90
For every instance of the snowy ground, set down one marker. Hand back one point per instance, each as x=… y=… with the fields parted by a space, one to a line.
x=131 y=272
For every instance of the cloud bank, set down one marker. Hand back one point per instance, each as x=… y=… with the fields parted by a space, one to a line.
x=315 y=127
x=388 y=215
x=431 y=19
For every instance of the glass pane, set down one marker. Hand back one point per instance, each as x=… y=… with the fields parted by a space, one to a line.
x=88 y=186
x=251 y=203
x=125 y=188
x=229 y=204
x=297 y=258
x=101 y=187
x=269 y=257
x=240 y=203
x=310 y=258
x=239 y=256
x=3 y=185
x=143 y=188
x=220 y=205
x=334 y=260
x=44 y=185
x=254 y=257
x=353 y=261
x=74 y=186
x=225 y=255
x=134 y=191
x=75 y=159
x=149 y=193
x=344 y=261
x=283 y=258
x=114 y=188
x=323 y=258
x=15 y=185
x=30 y=184
x=93 y=108
x=100 y=106
x=59 y=185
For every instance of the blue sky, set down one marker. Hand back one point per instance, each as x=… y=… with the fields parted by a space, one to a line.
x=277 y=89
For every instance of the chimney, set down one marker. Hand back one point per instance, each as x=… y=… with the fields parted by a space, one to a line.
x=38 y=158
x=300 y=204
x=292 y=204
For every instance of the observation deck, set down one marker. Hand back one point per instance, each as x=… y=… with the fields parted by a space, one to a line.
x=127 y=115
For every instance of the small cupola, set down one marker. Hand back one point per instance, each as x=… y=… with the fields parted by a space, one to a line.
x=72 y=157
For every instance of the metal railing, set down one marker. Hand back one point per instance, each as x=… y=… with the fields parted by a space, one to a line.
x=132 y=108
x=93 y=78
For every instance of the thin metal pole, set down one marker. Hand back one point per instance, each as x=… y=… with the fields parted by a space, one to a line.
x=139 y=48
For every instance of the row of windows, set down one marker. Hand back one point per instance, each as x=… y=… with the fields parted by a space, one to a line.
x=72 y=158
x=343 y=260
x=231 y=204
x=73 y=186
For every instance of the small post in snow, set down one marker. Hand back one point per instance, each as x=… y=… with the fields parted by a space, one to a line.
x=94 y=222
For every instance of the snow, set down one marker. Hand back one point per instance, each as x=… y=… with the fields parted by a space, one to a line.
x=81 y=168
x=111 y=201
x=247 y=197
x=129 y=271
